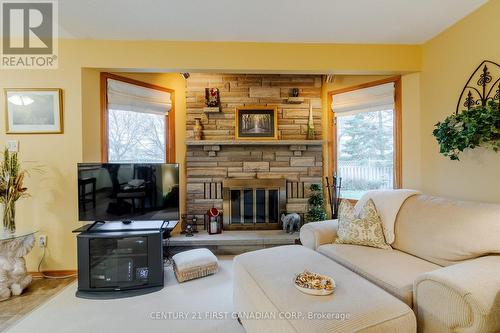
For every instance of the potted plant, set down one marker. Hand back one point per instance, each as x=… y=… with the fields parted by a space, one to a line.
x=316 y=204
x=11 y=188
x=477 y=126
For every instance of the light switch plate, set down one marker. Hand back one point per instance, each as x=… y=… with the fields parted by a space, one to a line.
x=13 y=146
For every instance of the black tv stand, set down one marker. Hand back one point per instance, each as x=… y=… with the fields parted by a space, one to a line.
x=117 y=259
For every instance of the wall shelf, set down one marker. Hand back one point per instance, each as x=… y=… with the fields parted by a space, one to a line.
x=254 y=142
x=295 y=100
x=208 y=109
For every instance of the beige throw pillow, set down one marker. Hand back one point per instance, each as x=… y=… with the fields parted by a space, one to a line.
x=365 y=229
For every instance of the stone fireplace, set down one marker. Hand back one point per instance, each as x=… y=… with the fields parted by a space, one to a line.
x=252 y=181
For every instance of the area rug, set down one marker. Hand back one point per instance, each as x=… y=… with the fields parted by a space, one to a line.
x=202 y=305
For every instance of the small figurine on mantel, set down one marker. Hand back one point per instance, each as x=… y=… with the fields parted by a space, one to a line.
x=291 y=222
x=294 y=97
x=212 y=100
x=310 y=125
x=189 y=226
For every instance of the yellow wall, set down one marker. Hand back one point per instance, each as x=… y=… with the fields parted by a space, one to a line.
x=91 y=115
x=448 y=60
x=412 y=140
x=156 y=56
x=52 y=205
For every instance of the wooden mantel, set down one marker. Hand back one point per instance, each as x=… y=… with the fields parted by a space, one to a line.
x=254 y=142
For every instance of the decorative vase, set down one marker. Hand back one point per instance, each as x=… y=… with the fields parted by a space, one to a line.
x=198 y=129
x=310 y=125
x=9 y=217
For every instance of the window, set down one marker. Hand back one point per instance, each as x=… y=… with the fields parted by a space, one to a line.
x=135 y=137
x=366 y=138
x=138 y=122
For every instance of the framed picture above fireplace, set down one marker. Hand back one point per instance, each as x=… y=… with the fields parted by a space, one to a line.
x=256 y=123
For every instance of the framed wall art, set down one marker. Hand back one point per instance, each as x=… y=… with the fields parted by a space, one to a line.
x=256 y=123
x=34 y=111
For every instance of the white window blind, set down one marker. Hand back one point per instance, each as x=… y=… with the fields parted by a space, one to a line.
x=365 y=139
x=370 y=99
x=130 y=97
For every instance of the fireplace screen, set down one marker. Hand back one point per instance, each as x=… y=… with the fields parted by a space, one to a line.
x=256 y=206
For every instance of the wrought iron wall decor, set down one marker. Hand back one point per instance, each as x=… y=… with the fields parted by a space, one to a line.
x=480 y=88
x=476 y=121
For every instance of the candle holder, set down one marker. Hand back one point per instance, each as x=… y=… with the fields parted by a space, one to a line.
x=213 y=221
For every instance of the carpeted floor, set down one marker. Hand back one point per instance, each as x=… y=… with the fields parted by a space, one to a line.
x=194 y=306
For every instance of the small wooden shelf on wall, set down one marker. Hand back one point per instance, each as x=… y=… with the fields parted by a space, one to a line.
x=295 y=100
x=210 y=109
x=254 y=142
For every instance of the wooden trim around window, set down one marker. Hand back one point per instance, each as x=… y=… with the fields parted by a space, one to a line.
x=169 y=119
x=332 y=138
x=398 y=134
x=332 y=127
x=104 y=117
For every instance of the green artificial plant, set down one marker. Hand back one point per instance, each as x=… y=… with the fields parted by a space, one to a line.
x=478 y=126
x=316 y=204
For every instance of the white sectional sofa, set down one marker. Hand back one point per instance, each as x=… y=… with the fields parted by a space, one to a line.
x=445 y=262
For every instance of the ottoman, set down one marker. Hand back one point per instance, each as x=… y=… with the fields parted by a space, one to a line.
x=194 y=264
x=266 y=300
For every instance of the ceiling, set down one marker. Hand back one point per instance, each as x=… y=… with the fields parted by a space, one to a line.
x=304 y=21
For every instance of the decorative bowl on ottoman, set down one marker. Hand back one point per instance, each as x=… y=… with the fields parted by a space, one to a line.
x=194 y=264
x=314 y=283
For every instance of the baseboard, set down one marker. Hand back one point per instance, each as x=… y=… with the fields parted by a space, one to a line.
x=55 y=273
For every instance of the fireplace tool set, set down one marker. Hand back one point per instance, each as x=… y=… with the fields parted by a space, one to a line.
x=334 y=194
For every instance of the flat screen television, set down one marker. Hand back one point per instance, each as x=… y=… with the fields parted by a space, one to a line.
x=128 y=191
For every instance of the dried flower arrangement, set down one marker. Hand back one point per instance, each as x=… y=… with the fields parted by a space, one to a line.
x=11 y=188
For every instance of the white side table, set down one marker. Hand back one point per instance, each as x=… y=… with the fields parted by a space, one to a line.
x=14 y=277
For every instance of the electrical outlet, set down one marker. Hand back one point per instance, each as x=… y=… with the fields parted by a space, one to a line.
x=42 y=241
x=13 y=146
